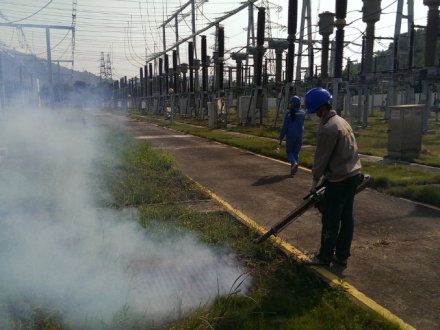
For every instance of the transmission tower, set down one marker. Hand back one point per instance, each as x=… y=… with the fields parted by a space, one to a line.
x=270 y=53
x=108 y=70
x=73 y=32
x=102 y=76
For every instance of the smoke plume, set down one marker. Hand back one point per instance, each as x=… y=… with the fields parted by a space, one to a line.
x=60 y=251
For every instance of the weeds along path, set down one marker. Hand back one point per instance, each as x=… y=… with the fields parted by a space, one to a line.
x=396 y=246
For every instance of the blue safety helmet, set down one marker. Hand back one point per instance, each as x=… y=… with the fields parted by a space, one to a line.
x=295 y=101
x=316 y=98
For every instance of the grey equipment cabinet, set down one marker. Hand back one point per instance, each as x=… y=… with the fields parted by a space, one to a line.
x=405 y=131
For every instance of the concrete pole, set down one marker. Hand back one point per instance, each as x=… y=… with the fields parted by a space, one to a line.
x=371 y=14
x=49 y=70
x=250 y=36
x=392 y=83
x=341 y=14
x=177 y=40
x=2 y=86
x=301 y=40
x=430 y=56
x=193 y=19
x=59 y=84
x=163 y=39
x=409 y=90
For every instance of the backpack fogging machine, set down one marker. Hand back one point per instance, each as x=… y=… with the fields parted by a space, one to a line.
x=310 y=200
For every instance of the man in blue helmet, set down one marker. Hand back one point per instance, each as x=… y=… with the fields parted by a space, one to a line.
x=337 y=166
x=293 y=129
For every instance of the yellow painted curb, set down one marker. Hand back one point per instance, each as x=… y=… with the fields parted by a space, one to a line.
x=322 y=271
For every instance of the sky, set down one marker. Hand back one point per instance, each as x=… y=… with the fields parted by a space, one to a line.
x=124 y=33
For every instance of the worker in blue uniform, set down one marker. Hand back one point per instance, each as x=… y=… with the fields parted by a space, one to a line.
x=293 y=130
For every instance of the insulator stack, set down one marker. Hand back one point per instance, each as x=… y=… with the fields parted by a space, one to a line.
x=160 y=75
x=341 y=9
x=278 y=66
x=431 y=31
x=239 y=69
x=341 y=13
x=175 y=70
x=339 y=53
x=411 y=48
x=167 y=69
x=146 y=80
x=191 y=66
x=326 y=21
x=150 y=69
x=141 y=74
x=221 y=54
x=260 y=42
x=265 y=75
x=260 y=26
x=196 y=75
x=204 y=65
x=291 y=30
x=371 y=15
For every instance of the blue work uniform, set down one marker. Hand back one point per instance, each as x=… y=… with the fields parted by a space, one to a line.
x=293 y=131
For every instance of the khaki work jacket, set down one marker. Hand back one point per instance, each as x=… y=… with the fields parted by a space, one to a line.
x=336 y=155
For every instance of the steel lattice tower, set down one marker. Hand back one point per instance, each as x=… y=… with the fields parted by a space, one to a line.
x=270 y=53
x=108 y=70
x=102 y=73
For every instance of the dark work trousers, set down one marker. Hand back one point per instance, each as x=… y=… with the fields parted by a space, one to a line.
x=337 y=218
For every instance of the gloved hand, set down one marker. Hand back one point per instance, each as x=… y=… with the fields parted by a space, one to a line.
x=313 y=187
x=321 y=181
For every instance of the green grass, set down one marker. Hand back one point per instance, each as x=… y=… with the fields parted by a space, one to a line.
x=396 y=180
x=285 y=294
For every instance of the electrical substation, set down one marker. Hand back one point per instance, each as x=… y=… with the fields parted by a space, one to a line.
x=208 y=87
x=264 y=74
x=198 y=79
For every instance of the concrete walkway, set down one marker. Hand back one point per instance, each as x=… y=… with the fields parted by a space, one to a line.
x=394 y=266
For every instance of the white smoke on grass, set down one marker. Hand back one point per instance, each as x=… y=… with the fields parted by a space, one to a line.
x=57 y=249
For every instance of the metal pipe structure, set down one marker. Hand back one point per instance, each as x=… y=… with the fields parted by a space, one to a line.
x=280 y=45
x=248 y=4
x=239 y=58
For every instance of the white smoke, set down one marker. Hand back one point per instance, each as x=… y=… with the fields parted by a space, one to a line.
x=57 y=248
